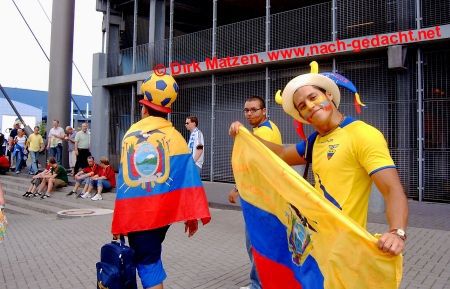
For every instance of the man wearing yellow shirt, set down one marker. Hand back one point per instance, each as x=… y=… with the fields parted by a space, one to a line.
x=256 y=115
x=35 y=144
x=347 y=155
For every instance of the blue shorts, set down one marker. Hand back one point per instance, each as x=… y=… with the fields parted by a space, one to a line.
x=105 y=184
x=147 y=246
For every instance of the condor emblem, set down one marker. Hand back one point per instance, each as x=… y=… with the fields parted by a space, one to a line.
x=331 y=150
x=145 y=159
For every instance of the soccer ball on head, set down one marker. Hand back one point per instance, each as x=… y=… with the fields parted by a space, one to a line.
x=159 y=91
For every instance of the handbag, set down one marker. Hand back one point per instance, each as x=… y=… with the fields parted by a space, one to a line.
x=116 y=269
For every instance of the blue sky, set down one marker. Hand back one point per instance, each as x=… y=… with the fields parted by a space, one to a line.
x=23 y=65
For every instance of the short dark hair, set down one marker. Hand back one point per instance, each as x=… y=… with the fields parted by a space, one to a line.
x=257 y=98
x=194 y=119
x=51 y=160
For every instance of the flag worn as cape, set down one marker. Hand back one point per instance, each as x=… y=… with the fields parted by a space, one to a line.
x=158 y=183
x=299 y=239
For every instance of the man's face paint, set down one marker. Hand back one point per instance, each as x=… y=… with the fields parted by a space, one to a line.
x=309 y=101
x=326 y=105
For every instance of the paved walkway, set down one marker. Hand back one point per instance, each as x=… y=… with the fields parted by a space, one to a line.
x=42 y=251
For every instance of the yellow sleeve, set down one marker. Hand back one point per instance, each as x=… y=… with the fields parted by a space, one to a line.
x=372 y=150
x=264 y=132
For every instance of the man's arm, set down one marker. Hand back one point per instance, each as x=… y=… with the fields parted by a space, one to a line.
x=388 y=182
x=198 y=152
x=75 y=148
x=41 y=144
x=199 y=144
x=61 y=135
x=287 y=153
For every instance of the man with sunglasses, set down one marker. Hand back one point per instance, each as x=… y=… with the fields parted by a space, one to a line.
x=256 y=115
x=196 y=141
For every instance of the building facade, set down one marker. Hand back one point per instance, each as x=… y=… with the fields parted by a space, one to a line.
x=396 y=52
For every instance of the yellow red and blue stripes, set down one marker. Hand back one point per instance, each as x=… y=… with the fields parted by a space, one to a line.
x=297 y=233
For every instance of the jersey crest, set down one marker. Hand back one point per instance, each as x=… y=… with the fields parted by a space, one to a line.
x=331 y=150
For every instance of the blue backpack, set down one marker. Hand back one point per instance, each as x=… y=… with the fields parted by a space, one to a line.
x=116 y=269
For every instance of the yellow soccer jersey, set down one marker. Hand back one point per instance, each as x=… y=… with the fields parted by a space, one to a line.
x=342 y=163
x=268 y=131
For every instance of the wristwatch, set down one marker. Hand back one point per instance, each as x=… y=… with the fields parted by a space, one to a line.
x=399 y=232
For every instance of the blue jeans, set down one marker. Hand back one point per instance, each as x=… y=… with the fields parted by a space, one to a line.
x=102 y=183
x=34 y=167
x=56 y=152
x=19 y=159
x=254 y=279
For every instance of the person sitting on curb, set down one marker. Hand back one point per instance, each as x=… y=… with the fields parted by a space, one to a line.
x=83 y=177
x=4 y=165
x=105 y=180
x=57 y=179
x=36 y=180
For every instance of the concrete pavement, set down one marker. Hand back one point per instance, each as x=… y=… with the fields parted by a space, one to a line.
x=43 y=251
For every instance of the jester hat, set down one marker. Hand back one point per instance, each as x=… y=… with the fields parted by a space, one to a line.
x=327 y=80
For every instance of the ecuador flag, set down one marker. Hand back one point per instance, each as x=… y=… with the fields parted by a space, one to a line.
x=158 y=183
x=300 y=239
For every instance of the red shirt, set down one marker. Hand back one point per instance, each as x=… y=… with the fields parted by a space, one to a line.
x=96 y=169
x=4 y=162
x=109 y=173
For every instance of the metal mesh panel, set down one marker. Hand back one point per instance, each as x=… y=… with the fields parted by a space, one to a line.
x=368 y=17
x=193 y=46
x=194 y=98
x=301 y=26
x=120 y=63
x=147 y=56
x=390 y=108
x=231 y=92
x=241 y=38
x=160 y=51
x=437 y=125
x=435 y=12
x=119 y=122
x=437 y=172
x=142 y=58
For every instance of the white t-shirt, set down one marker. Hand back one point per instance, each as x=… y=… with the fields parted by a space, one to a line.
x=54 y=141
x=21 y=140
x=195 y=140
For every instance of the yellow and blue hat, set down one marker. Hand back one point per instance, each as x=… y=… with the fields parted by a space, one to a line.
x=159 y=91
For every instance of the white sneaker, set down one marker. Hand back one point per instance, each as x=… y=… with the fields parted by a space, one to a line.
x=246 y=287
x=97 y=197
x=86 y=195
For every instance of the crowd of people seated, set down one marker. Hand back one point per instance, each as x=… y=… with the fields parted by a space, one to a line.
x=93 y=179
